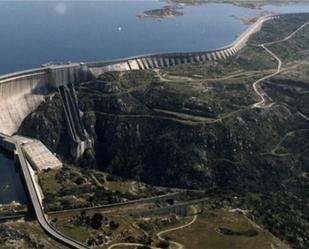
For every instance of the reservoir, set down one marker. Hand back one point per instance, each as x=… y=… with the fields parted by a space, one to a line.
x=37 y=32
x=11 y=187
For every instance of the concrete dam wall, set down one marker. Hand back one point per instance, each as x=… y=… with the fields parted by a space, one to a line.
x=157 y=60
x=22 y=92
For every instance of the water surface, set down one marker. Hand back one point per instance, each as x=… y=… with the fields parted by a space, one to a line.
x=11 y=188
x=33 y=33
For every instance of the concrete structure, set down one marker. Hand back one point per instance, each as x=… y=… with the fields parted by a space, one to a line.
x=179 y=209
x=22 y=92
x=150 y=61
x=165 y=197
x=80 y=138
x=39 y=156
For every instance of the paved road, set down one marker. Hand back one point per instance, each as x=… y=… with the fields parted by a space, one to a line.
x=243 y=38
x=159 y=235
x=303 y=116
x=289 y=36
x=37 y=205
x=179 y=246
x=256 y=85
x=289 y=134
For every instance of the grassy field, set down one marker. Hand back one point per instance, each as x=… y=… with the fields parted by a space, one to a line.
x=205 y=233
x=72 y=187
x=209 y=230
x=129 y=229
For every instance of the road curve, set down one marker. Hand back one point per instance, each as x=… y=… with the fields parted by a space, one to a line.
x=179 y=246
x=159 y=235
x=256 y=84
x=70 y=243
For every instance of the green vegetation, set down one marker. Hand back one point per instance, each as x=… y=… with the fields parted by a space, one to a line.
x=26 y=235
x=252 y=59
x=71 y=187
x=270 y=33
x=223 y=229
x=103 y=226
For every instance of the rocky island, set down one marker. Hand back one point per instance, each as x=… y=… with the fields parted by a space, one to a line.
x=166 y=11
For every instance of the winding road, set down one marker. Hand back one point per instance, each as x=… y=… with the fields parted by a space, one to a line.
x=256 y=85
x=178 y=245
x=160 y=234
x=289 y=134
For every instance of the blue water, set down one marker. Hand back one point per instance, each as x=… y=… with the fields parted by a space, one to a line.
x=11 y=188
x=33 y=33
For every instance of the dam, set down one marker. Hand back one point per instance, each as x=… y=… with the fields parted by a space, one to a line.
x=22 y=92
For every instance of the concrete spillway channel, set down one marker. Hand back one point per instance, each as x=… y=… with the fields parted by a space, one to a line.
x=68 y=114
x=75 y=126
x=22 y=92
x=74 y=103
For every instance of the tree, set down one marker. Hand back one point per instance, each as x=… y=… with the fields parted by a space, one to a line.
x=164 y=244
x=113 y=225
x=96 y=221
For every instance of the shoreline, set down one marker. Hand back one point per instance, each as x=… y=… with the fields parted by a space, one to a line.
x=166 y=11
x=42 y=69
x=174 y=8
